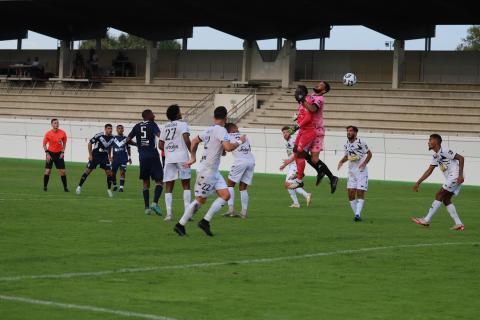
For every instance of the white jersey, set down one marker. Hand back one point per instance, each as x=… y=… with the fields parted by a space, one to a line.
x=212 y=148
x=176 y=150
x=356 y=152
x=444 y=159
x=289 y=146
x=243 y=153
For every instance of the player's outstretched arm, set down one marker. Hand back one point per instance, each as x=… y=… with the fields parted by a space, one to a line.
x=425 y=175
x=461 y=163
x=229 y=146
x=286 y=162
x=193 y=151
x=341 y=162
x=89 y=147
x=186 y=139
x=366 y=161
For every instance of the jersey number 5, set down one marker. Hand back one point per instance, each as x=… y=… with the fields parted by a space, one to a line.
x=143 y=130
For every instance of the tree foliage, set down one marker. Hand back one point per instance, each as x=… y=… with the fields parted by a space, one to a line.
x=128 y=41
x=472 y=41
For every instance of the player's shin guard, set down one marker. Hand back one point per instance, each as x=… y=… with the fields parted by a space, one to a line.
x=146 y=198
x=453 y=213
x=244 y=200
x=82 y=179
x=46 y=177
x=168 y=203
x=214 y=208
x=64 y=181
x=231 y=190
x=187 y=198
x=189 y=211
x=433 y=209
x=158 y=193
x=358 y=211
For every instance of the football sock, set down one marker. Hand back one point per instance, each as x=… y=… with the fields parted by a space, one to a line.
x=453 y=213
x=158 y=193
x=82 y=179
x=122 y=182
x=231 y=190
x=360 y=203
x=353 y=204
x=320 y=166
x=146 y=198
x=300 y=167
x=216 y=205
x=293 y=195
x=168 y=203
x=46 y=177
x=64 y=181
x=187 y=198
x=109 y=182
x=301 y=191
x=435 y=205
x=244 y=199
x=114 y=180
x=189 y=211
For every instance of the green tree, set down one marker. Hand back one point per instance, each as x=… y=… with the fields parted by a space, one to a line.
x=128 y=41
x=472 y=41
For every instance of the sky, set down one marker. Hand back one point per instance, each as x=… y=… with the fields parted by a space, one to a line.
x=341 y=38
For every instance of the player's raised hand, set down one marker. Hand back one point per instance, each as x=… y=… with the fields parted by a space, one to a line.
x=460 y=179
x=189 y=163
x=130 y=160
x=416 y=187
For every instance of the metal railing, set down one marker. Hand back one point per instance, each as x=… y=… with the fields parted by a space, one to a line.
x=194 y=113
x=243 y=107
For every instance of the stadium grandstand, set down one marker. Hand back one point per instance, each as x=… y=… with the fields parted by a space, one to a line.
x=398 y=91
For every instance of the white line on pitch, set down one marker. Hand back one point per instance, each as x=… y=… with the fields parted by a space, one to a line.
x=215 y=264
x=83 y=307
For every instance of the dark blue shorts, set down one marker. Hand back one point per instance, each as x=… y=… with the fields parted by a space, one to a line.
x=151 y=167
x=99 y=161
x=119 y=164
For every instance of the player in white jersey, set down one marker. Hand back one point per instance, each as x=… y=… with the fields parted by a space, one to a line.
x=216 y=141
x=241 y=171
x=451 y=164
x=292 y=170
x=358 y=155
x=175 y=141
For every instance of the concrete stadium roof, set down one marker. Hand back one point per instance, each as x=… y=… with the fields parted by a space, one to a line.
x=252 y=20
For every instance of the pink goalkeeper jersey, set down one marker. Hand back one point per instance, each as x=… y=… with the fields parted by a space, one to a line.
x=318 y=116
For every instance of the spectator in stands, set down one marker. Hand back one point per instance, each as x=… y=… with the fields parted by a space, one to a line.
x=36 y=69
x=79 y=66
x=93 y=63
x=122 y=67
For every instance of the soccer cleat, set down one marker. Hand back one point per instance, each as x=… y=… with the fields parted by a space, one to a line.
x=458 y=227
x=110 y=193
x=420 y=221
x=230 y=212
x=205 y=226
x=295 y=205
x=319 y=178
x=114 y=188
x=243 y=215
x=64 y=189
x=180 y=230
x=168 y=218
x=147 y=211
x=45 y=189
x=357 y=218
x=78 y=190
x=333 y=184
x=156 y=209
x=294 y=184
x=309 y=199
x=121 y=189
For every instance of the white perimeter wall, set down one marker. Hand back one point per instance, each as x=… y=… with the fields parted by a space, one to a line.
x=395 y=157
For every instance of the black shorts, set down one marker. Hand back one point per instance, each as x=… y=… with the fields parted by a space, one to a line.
x=102 y=162
x=151 y=167
x=119 y=164
x=55 y=159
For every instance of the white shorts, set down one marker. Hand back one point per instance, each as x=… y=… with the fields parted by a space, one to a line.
x=242 y=172
x=174 y=171
x=292 y=171
x=208 y=182
x=452 y=186
x=358 y=180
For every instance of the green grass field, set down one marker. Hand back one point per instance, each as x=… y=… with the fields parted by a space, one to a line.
x=65 y=255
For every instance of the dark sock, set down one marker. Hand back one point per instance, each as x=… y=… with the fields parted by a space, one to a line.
x=114 y=180
x=64 y=181
x=45 y=180
x=122 y=182
x=320 y=166
x=317 y=168
x=109 y=182
x=82 y=179
x=158 y=192
x=146 y=198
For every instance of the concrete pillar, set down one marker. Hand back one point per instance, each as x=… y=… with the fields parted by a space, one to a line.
x=151 y=55
x=247 y=59
x=428 y=44
x=321 y=46
x=279 y=44
x=62 y=59
x=98 y=45
x=19 y=44
x=288 y=56
x=398 y=74
x=185 y=44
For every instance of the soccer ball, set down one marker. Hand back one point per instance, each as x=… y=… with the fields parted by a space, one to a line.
x=349 y=79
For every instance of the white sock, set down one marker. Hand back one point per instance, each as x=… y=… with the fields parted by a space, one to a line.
x=360 y=203
x=244 y=199
x=453 y=213
x=214 y=208
x=189 y=211
x=187 y=198
x=353 y=204
x=435 y=205
x=293 y=195
x=168 y=203
x=302 y=192
x=231 y=190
